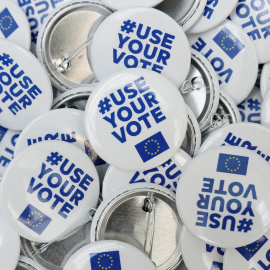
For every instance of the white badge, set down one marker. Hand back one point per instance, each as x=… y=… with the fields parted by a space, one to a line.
x=232 y=56
x=199 y=255
x=253 y=17
x=265 y=80
x=254 y=256
x=141 y=38
x=109 y=255
x=166 y=175
x=132 y=123
x=215 y=12
x=250 y=108
x=121 y=4
x=25 y=88
x=14 y=25
x=265 y=114
x=219 y=200
x=56 y=186
x=65 y=125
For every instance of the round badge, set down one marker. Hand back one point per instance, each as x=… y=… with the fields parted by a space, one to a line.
x=166 y=175
x=9 y=246
x=265 y=114
x=26 y=91
x=215 y=12
x=199 y=255
x=223 y=205
x=64 y=125
x=14 y=25
x=8 y=139
x=265 y=80
x=132 y=123
x=186 y=13
x=26 y=263
x=251 y=17
x=121 y=4
x=252 y=256
x=141 y=38
x=232 y=56
x=250 y=108
x=57 y=187
x=109 y=255
x=252 y=136
x=37 y=14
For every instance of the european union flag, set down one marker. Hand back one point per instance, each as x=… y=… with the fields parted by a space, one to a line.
x=152 y=147
x=3 y=131
x=7 y=23
x=93 y=155
x=250 y=250
x=232 y=164
x=229 y=43
x=217 y=266
x=105 y=261
x=34 y=219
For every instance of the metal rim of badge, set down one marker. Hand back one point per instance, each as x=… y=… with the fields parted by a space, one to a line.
x=116 y=178
x=249 y=16
x=147 y=198
x=49 y=49
x=265 y=112
x=118 y=255
x=202 y=77
x=214 y=13
x=226 y=228
x=17 y=31
x=121 y=4
x=264 y=80
x=227 y=113
x=19 y=107
x=184 y=16
x=199 y=255
x=162 y=47
x=26 y=263
x=237 y=68
x=32 y=223
x=118 y=125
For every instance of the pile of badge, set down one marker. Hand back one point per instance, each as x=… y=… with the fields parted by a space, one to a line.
x=122 y=137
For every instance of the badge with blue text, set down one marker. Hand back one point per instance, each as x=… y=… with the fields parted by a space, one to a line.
x=228 y=202
x=56 y=186
x=109 y=255
x=255 y=255
x=132 y=122
x=141 y=37
x=232 y=55
x=121 y=4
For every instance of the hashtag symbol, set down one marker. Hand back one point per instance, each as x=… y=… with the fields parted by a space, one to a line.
x=128 y=26
x=254 y=104
x=245 y=225
x=104 y=105
x=54 y=158
x=34 y=36
x=6 y=60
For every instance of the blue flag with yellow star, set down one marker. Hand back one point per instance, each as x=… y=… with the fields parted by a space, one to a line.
x=229 y=43
x=3 y=131
x=232 y=164
x=7 y=23
x=96 y=159
x=217 y=266
x=152 y=147
x=250 y=250
x=34 y=219
x=105 y=261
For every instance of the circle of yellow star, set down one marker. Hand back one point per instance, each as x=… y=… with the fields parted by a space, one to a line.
x=257 y=246
x=228 y=161
x=146 y=147
x=30 y=216
x=232 y=39
x=100 y=264
x=10 y=22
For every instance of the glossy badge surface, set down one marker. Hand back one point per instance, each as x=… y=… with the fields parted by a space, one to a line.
x=265 y=114
x=233 y=57
x=136 y=119
x=25 y=87
x=253 y=18
x=265 y=80
x=141 y=38
x=14 y=25
x=56 y=186
x=220 y=202
x=121 y=4
x=109 y=255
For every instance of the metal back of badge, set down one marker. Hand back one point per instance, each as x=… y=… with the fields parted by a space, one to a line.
x=67 y=29
x=146 y=218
